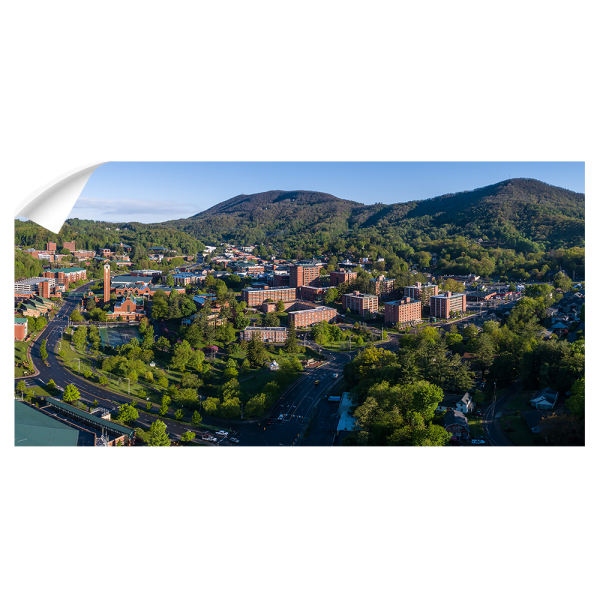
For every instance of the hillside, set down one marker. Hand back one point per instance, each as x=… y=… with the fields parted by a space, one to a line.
x=274 y=213
x=506 y=214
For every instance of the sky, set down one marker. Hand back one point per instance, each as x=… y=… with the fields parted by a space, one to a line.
x=151 y=192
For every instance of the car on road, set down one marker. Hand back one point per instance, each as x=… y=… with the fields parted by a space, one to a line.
x=317 y=382
x=477 y=441
x=234 y=441
x=280 y=418
x=336 y=375
x=223 y=433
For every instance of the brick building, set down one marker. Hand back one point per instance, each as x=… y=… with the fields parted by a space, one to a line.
x=51 y=247
x=255 y=296
x=383 y=286
x=421 y=292
x=129 y=308
x=268 y=307
x=20 y=328
x=69 y=246
x=309 y=316
x=83 y=254
x=281 y=279
x=304 y=274
x=443 y=304
x=66 y=276
x=276 y=335
x=406 y=311
x=341 y=276
x=311 y=293
x=41 y=286
x=360 y=303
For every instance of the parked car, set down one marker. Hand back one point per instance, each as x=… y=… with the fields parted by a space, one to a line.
x=475 y=442
x=223 y=433
x=234 y=440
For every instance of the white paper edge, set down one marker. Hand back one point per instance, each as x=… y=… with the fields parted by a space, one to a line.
x=50 y=205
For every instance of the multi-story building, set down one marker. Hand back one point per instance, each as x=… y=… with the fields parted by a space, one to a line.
x=128 y=308
x=83 y=254
x=20 y=328
x=304 y=274
x=276 y=335
x=383 y=286
x=69 y=246
x=66 y=276
x=421 y=292
x=306 y=317
x=255 y=296
x=443 y=304
x=268 y=307
x=341 y=276
x=311 y=293
x=42 y=286
x=360 y=303
x=51 y=247
x=281 y=279
x=406 y=311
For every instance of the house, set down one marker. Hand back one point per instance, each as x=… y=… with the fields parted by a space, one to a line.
x=544 y=399
x=462 y=403
x=456 y=423
x=534 y=420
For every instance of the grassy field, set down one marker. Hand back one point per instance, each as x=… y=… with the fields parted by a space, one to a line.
x=475 y=425
x=519 y=434
x=20 y=357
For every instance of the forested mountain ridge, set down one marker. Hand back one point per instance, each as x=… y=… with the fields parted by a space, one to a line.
x=271 y=213
x=508 y=213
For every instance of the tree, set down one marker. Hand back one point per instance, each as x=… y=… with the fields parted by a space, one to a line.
x=196 y=419
x=149 y=406
x=160 y=306
x=51 y=385
x=76 y=316
x=163 y=382
x=256 y=353
x=103 y=380
x=71 y=393
x=179 y=414
x=576 y=402
x=188 y=436
x=21 y=386
x=330 y=295
x=162 y=343
x=182 y=354
x=170 y=281
x=128 y=413
x=158 y=436
x=280 y=306
x=272 y=320
x=291 y=343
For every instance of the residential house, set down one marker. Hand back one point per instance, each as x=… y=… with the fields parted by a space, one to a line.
x=545 y=399
x=460 y=402
x=456 y=423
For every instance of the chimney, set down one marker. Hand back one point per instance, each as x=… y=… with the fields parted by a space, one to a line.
x=448 y=294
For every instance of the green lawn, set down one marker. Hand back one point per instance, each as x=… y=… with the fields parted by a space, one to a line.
x=521 y=402
x=520 y=434
x=20 y=357
x=475 y=425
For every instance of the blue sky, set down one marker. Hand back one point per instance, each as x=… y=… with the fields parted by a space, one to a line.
x=151 y=192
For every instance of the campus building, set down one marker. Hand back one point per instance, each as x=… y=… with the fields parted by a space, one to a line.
x=281 y=279
x=341 y=276
x=311 y=315
x=383 y=286
x=311 y=293
x=69 y=246
x=268 y=307
x=255 y=297
x=128 y=308
x=66 y=276
x=20 y=328
x=421 y=292
x=274 y=335
x=40 y=286
x=361 y=304
x=406 y=310
x=51 y=247
x=304 y=274
x=443 y=304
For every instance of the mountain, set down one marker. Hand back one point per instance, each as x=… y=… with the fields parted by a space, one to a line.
x=506 y=214
x=271 y=213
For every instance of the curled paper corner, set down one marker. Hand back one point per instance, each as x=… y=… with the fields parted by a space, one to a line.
x=50 y=205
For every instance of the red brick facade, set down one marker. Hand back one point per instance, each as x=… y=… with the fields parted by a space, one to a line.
x=341 y=276
x=255 y=297
x=442 y=305
x=305 y=318
x=303 y=275
x=405 y=310
x=360 y=303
